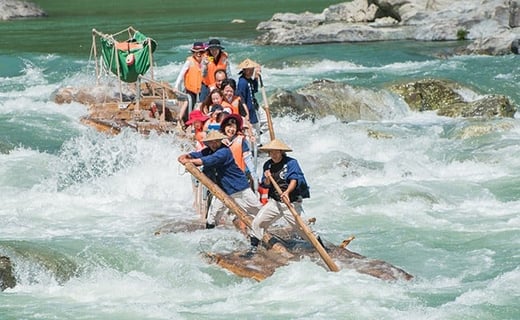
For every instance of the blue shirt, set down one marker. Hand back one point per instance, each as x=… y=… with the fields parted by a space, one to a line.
x=213 y=126
x=224 y=171
x=283 y=172
x=246 y=89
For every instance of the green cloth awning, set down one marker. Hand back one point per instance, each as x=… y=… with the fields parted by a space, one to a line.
x=115 y=53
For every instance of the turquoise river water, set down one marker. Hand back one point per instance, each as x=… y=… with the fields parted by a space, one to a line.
x=79 y=208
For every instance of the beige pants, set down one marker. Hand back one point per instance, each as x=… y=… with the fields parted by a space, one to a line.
x=246 y=199
x=272 y=211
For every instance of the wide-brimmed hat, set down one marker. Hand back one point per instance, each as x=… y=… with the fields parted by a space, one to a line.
x=215 y=43
x=248 y=63
x=196 y=115
x=214 y=135
x=226 y=120
x=198 y=47
x=275 y=144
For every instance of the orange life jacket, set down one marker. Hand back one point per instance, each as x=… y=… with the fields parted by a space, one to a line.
x=193 y=77
x=238 y=153
x=226 y=104
x=209 y=79
x=234 y=104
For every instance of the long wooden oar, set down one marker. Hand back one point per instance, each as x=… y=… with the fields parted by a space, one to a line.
x=266 y=109
x=219 y=193
x=310 y=236
x=229 y=202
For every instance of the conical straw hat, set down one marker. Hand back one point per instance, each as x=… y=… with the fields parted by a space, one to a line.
x=275 y=144
x=214 y=135
x=248 y=63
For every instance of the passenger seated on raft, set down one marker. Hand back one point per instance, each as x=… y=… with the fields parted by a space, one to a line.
x=196 y=121
x=220 y=76
x=216 y=114
x=236 y=104
x=215 y=59
x=231 y=126
x=216 y=96
x=189 y=80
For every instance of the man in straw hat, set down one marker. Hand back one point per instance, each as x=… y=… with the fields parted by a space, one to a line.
x=219 y=166
x=246 y=88
x=287 y=173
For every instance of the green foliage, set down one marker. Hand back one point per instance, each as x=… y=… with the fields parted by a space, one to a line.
x=462 y=34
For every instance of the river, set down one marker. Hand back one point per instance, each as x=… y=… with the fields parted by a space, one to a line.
x=79 y=208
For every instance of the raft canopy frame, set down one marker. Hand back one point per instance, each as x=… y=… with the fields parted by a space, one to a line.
x=128 y=54
x=163 y=96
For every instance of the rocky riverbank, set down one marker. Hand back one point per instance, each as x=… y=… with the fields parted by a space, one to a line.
x=16 y=9
x=492 y=26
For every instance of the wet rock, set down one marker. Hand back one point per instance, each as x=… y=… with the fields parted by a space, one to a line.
x=515 y=46
x=491 y=25
x=452 y=100
x=15 y=9
x=428 y=94
x=30 y=255
x=86 y=96
x=322 y=98
x=498 y=44
x=7 y=279
x=479 y=128
x=514 y=13
x=490 y=107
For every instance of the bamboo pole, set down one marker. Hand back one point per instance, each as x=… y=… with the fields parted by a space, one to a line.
x=266 y=109
x=151 y=56
x=95 y=55
x=310 y=236
x=116 y=55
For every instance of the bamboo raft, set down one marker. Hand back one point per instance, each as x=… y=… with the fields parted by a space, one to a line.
x=285 y=249
x=280 y=248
